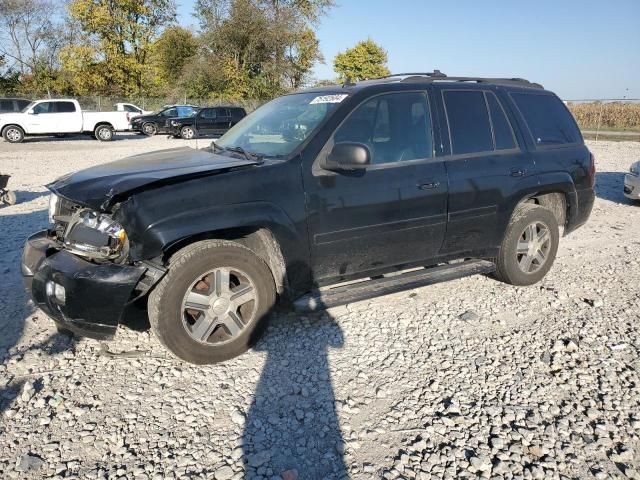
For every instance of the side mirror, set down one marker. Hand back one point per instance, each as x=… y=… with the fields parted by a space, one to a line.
x=348 y=156
x=32 y=112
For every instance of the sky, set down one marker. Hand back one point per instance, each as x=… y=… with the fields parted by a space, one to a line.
x=580 y=49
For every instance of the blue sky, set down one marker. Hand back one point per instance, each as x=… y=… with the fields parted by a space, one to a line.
x=577 y=48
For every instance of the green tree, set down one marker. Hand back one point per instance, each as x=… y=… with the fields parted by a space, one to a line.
x=117 y=40
x=364 y=61
x=172 y=50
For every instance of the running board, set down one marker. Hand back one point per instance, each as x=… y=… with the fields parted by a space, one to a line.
x=355 y=292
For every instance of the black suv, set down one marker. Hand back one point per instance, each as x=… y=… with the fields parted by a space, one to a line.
x=207 y=121
x=399 y=182
x=11 y=105
x=157 y=122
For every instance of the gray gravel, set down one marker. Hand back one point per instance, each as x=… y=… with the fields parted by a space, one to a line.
x=469 y=379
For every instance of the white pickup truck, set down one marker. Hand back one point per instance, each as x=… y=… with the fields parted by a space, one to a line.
x=60 y=117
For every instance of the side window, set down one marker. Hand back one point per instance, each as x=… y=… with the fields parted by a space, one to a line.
x=185 y=111
x=468 y=118
x=395 y=127
x=172 y=112
x=44 y=107
x=64 y=107
x=209 y=113
x=6 y=105
x=131 y=108
x=502 y=131
x=23 y=103
x=548 y=119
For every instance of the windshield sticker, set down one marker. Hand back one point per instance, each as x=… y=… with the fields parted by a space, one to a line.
x=329 y=99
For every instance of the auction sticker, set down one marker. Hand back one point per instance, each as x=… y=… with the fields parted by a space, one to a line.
x=329 y=98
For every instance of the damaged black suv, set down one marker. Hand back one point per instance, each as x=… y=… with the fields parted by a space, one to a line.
x=396 y=183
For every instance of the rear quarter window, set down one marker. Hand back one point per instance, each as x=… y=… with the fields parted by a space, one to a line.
x=549 y=121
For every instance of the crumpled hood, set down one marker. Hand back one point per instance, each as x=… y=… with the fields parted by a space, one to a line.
x=96 y=187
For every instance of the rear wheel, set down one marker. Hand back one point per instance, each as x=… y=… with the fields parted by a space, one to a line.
x=104 y=133
x=529 y=246
x=149 y=128
x=13 y=134
x=212 y=303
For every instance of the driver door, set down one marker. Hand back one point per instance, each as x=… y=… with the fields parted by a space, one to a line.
x=390 y=215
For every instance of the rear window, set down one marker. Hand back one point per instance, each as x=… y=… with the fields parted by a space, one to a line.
x=548 y=119
x=469 y=125
x=65 y=107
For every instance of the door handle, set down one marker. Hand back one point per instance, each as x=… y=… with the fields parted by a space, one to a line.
x=518 y=172
x=429 y=185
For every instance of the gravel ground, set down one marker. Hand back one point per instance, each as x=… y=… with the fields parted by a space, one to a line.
x=466 y=379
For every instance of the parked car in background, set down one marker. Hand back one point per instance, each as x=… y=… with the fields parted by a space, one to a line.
x=131 y=108
x=60 y=117
x=632 y=182
x=8 y=105
x=156 y=122
x=398 y=182
x=207 y=121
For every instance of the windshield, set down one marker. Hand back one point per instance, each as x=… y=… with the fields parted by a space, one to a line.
x=279 y=127
x=25 y=109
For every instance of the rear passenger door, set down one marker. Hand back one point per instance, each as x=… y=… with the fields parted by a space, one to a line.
x=223 y=119
x=206 y=121
x=486 y=162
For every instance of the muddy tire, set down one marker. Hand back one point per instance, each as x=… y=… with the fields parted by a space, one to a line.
x=13 y=134
x=213 y=302
x=529 y=246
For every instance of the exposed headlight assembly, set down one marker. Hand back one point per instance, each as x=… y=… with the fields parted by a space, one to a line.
x=54 y=201
x=96 y=236
x=174 y=123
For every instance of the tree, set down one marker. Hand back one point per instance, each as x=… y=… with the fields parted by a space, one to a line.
x=30 y=41
x=117 y=39
x=172 y=50
x=364 y=61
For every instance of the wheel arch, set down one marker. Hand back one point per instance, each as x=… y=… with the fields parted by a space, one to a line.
x=102 y=124
x=7 y=125
x=258 y=239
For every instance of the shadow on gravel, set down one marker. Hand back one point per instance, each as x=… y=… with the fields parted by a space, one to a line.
x=610 y=185
x=292 y=422
x=16 y=310
x=24 y=196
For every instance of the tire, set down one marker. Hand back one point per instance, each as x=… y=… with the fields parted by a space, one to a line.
x=195 y=269
x=60 y=135
x=187 y=132
x=149 y=129
x=9 y=198
x=104 y=133
x=522 y=261
x=13 y=134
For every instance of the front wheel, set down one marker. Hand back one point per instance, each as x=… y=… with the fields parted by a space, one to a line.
x=104 y=133
x=13 y=134
x=187 y=133
x=149 y=128
x=529 y=246
x=212 y=303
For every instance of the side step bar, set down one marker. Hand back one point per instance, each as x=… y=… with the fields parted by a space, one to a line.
x=354 y=292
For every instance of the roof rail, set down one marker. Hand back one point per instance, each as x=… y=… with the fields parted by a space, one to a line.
x=437 y=75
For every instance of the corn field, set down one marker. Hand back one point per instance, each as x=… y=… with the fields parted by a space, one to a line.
x=615 y=115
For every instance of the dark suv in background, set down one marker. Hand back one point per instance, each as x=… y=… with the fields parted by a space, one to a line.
x=207 y=121
x=398 y=182
x=157 y=122
x=10 y=105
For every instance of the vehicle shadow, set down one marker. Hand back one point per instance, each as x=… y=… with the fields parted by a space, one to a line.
x=16 y=311
x=77 y=137
x=27 y=196
x=610 y=185
x=292 y=427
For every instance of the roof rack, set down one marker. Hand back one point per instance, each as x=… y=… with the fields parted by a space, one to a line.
x=438 y=76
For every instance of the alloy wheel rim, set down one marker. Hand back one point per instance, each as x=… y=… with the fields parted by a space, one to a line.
x=534 y=244
x=188 y=133
x=149 y=129
x=218 y=305
x=13 y=134
x=104 y=133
